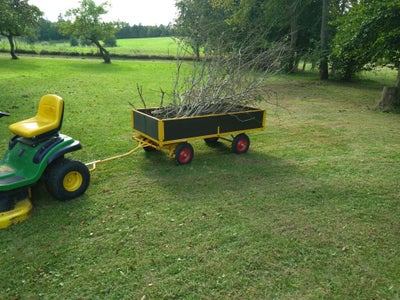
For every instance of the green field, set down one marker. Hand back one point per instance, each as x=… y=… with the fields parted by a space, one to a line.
x=310 y=212
x=164 y=47
x=152 y=46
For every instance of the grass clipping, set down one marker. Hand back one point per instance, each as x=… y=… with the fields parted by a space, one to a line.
x=222 y=82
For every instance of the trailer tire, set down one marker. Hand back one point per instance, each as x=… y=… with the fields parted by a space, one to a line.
x=240 y=143
x=149 y=149
x=183 y=154
x=67 y=179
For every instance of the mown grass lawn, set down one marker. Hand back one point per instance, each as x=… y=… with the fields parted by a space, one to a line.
x=311 y=212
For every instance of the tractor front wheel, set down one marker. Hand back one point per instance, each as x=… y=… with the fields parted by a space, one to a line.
x=67 y=179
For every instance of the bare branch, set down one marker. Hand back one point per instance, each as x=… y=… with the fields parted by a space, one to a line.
x=227 y=79
x=140 y=92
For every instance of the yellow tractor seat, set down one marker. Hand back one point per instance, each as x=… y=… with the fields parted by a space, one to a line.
x=48 y=119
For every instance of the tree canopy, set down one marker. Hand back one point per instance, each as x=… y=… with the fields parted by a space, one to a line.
x=85 y=22
x=367 y=34
x=17 y=18
x=200 y=24
x=339 y=35
x=205 y=21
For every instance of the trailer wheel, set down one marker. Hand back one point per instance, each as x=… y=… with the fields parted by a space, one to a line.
x=67 y=179
x=149 y=149
x=183 y=153
x=211 y=141
x=240 y=143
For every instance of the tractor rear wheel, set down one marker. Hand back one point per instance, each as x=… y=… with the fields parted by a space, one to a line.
x=67 y=179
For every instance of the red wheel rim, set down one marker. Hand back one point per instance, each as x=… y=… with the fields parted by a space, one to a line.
x=242 y=145
x=185 y=155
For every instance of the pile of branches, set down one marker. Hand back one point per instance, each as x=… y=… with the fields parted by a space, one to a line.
x=224 y=81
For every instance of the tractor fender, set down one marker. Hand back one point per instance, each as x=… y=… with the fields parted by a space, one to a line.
x=76 y=145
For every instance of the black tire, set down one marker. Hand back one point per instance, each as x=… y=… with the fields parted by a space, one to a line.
x=149 y=149
x=240 y=144
x=211 y=141
x=67 y=179
x=183 y=154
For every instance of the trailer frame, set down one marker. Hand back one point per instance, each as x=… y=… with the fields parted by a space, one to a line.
x=172 y=134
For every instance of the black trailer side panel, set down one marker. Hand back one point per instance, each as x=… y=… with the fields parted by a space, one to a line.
x=146 y=124
x=175 y=129
x=169 y=130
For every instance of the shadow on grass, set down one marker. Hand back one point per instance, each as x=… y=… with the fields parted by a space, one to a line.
x=216 y=172
x=216 y=176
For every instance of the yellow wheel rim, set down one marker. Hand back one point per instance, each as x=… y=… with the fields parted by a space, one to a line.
x=72 y=181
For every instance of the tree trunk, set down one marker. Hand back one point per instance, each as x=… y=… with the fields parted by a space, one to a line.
x=104 y=53
x=12 y=46
x=323 y=65
x=390 y=100
x=197 y=51
x=291 y=63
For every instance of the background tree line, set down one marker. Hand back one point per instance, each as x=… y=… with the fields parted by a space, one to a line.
x=339 y=37
x=142 y=31
x=345 y=36
x=49 y=31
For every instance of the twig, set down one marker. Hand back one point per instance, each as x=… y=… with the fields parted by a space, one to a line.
x=222 y=82
x=140 y=92
x=162 y=97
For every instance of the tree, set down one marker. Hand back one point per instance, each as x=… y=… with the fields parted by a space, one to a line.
x=18 y=18
x=48 y=31
x=298 y=25
x=85 y=23
x=295 y=9
x=368 y=33
x=200 y=24
x=323 y=65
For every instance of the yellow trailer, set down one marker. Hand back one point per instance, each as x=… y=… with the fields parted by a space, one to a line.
x=174 y=134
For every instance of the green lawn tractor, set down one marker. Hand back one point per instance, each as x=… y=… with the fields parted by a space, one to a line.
x=36 y=152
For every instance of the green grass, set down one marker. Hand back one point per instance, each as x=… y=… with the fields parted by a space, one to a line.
x=311 y=212
x=153 y=46
x=163 y=47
